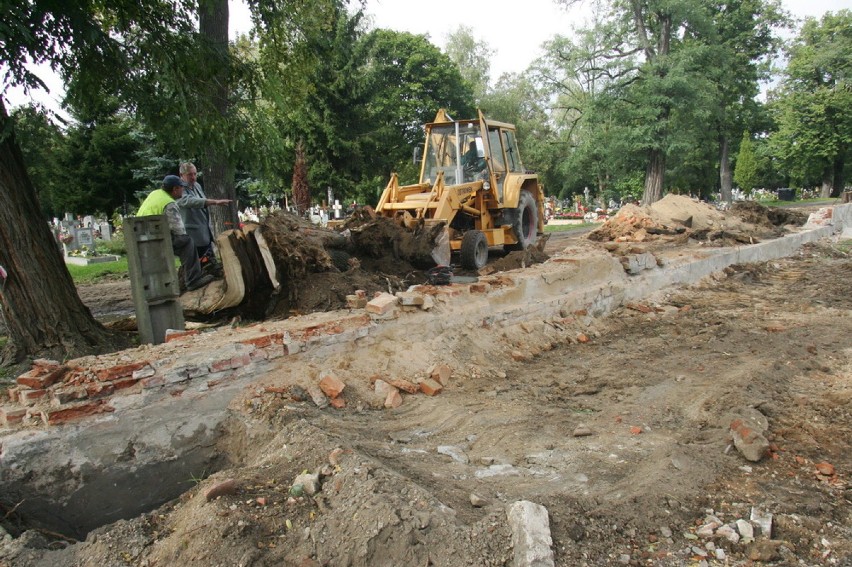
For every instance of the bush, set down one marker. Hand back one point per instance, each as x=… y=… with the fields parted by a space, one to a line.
x=115 y=246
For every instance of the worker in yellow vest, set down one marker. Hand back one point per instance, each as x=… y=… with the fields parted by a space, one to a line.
x=164 y=201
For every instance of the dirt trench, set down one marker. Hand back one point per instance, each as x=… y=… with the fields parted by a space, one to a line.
x=619 y=427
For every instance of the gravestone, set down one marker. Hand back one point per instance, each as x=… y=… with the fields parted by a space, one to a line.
x=106 y=231
x=88 y=221
x=337 y=209
x=79 y=237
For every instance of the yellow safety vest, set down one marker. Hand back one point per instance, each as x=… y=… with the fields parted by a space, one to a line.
x=155 y=203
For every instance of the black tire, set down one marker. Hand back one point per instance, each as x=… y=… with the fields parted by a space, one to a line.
x=474 y=250
x=525 y=225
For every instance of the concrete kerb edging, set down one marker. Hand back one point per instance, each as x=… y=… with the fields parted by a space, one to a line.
x=150 y=434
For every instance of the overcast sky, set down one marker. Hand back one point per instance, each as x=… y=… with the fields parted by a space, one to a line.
x=514 y=34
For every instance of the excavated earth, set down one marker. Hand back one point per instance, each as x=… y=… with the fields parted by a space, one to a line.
x=619 y=425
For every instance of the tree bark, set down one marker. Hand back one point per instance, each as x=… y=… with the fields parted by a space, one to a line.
x=213 y=16
x=725 y=175
x=41 y=309
x=827 y=180
x=654 y=176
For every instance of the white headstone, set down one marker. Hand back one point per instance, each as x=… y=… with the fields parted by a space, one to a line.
x=337 y=208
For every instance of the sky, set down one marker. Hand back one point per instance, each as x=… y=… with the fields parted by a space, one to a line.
x=514 y=34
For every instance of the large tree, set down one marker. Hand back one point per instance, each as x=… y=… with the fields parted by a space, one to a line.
x=814 y=104
x=42 y=311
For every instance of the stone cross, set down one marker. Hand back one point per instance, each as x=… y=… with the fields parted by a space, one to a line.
x=337 y=208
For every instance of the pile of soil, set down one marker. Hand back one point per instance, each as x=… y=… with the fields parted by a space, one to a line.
x=318 y=267
x=678 y=218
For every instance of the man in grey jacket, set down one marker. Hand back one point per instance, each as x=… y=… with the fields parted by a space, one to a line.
x=193 y=208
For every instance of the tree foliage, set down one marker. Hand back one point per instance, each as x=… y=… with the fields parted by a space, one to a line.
x=814 y=103
x=745 y=173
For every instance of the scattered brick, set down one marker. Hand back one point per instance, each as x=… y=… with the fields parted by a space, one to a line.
x=441 y=374
x=361 y=293
x=331 y=386
x=124 y=383
x=221 y=489
x=518 y=356
x=11 y=416
x=317 y=396
x=430 y=387
x=337 y=403
x=276 y=390
x=70 y=413
x=355 y=302
x=42 y=377
x=122 y=371
x=382 y=304
x=176 y=335
x=582 y=338
x=60 y=396
x=635 y=430
x=265 y=340
x=404 y=385
x=639 y=307
x=30 y=397
x=383 y=388
x=99 y=390
x=825 y=469
x=480 y=287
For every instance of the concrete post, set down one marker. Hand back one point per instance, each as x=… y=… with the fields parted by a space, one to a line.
x=153 y=277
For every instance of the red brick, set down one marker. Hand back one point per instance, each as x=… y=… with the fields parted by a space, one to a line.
x=338 y=403
x=639 y=307
x=220 y=365
x=11 y=416
x=100 y=390
x=480 y=287
x=70 y=413
x=404 y=385
x=173 y=335
x=265 y=340
x=29 y=397
x=221 y=489
x=382 y=304
x=430 y=387
x=40 y=377
x=276 y=390
x=125 y=383
x=331 y=386
x=122 y=371
x=582 y=338
x=67 y=394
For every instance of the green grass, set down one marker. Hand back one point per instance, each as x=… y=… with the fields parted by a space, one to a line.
x=815 y=202
x=568 y=227
x=96 y=272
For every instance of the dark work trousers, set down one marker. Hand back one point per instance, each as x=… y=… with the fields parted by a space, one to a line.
x=184 y=248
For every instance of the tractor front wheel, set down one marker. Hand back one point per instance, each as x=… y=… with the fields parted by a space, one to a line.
x=525 y=225
x=474 y=250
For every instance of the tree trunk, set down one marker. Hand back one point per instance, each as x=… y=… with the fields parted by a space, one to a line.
x=725 y=176
x=218 y=170
x=827 y=180
x=41 y=309
x=654 y=176
x=839 y=179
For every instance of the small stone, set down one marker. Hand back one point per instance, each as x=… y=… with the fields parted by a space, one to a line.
x=582 y=430
x=728 y=533
x=720 y=554
x=745 y=528
x=477 y=501
x=317 y=396
x=334 y=456
x=309 y=483
x=455 y=453
x=298 y=394
x=665 y=531
x=331 y=385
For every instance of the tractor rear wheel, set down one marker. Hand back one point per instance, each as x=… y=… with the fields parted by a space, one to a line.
x=474 y=250
x=525 y=226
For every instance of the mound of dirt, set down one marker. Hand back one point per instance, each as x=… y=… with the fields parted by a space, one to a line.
x=684 y=217
x=319 y=267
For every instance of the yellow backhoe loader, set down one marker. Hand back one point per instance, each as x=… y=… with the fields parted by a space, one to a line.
x=471 y=180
